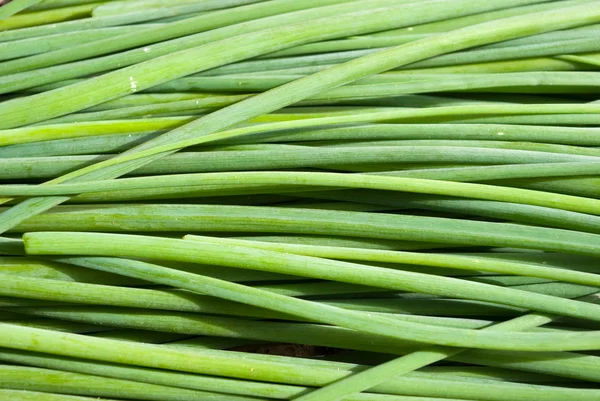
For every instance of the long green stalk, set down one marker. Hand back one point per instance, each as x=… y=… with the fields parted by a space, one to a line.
x=52 y=135
x=53 y=324
x=558 y=119
x=244 y=328
x=49 y=4
x=415 y=185
x=92 y=23
x=523 y=82
x=23 y=287
x=575 y=366
x=95 y=294
x=38 y=243
x=483 y=173
x=523 y=65
x=19 y=395
x=216 y=363
x=419 y=50
x=480 y=263
x=43 y=268
x=384 y=201
x=187 y=324
x=171 y=378
x=147 y=36
x=113 y=8
x=370 y=378
x=392 y=158
x=404 y=82
x=434 y=189
x=371 y=41
x=280 y=12
x=186 y=106
x=15 y=6
x=60 y=131
x=259 y=219
x=44 y=17
x=408 y=115
x=182 y=380
x=468 y=20
x=36 y=379
x=27 y=47
x=557 y=48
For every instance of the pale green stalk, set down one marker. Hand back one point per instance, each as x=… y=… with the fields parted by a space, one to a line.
x=352 y=43
x=551 y=120
x=100 y=22
x=268 y=368
x=491 y=67
x=558 y=48
x=210 y=55
x=19 y=395
x=370 y=378
x=120 y=7
x=260 y=82
x=48 y=4
x=52 y=381
x=185 y=218
x=52 y=135
x=370 y=41
x=175 y=300
x=177 y=379
x=130 y=40
x=378 y=158
x=409 y=115
x=382 y=201
x=321 y=268
x=156 y=110
x=245 y=20
x=402 y=184
x=542 y=147
x=27 y=47
x=460 y=39
x=483 y=263
x=43 y=268
x=476 y=18
x=525 y=82
x=573 y=46
x=15 y=6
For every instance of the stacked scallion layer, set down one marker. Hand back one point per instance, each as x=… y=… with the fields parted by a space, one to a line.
x=314 y=200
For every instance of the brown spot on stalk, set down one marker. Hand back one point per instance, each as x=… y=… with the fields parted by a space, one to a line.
x=293 y=350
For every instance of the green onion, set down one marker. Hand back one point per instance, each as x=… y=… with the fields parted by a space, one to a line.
x=368 y=200
x=15 y=7
x=320 y=269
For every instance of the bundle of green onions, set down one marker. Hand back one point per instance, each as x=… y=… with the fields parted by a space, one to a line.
x=313 y=200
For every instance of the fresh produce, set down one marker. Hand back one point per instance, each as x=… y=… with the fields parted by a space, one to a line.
x=369 y=200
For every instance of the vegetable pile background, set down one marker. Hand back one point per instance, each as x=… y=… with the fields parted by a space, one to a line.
x=314 y=200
